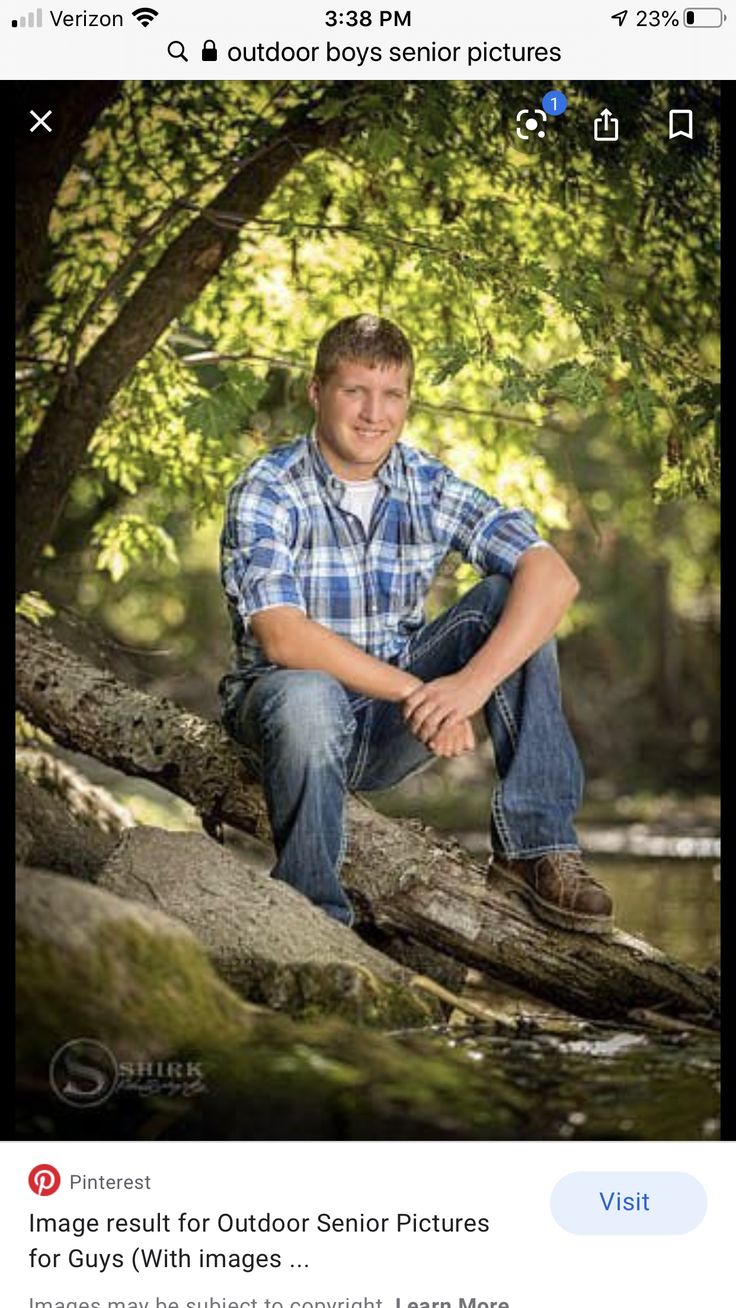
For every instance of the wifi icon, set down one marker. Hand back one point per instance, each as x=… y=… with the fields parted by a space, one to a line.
x=145 y=16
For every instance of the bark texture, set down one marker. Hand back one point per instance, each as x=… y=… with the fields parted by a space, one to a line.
x=405 y=883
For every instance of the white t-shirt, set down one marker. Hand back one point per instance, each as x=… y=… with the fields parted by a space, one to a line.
x=359 y=498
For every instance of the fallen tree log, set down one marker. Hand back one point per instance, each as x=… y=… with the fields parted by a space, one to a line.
x=262 y=937
x=406 y=884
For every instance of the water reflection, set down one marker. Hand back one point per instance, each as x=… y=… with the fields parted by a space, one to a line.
x=672 y=903
x=645 y=1088
x=616 y=1085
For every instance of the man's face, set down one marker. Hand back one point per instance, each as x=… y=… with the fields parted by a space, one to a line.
x=360 y=415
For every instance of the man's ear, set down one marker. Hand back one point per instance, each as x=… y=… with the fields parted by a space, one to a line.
x=313 y=394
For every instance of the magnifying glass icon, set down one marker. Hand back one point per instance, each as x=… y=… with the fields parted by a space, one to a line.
x=176 y=50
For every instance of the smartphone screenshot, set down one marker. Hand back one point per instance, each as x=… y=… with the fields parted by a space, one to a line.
x=367 y=568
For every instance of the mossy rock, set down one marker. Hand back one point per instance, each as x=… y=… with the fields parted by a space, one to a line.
x=90 y=965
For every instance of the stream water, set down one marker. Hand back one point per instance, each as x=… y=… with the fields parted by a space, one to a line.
x=607 y=1083
x=673 y=903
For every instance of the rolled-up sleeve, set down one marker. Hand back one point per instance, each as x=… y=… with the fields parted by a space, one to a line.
x=489 y=536
x=257 y=553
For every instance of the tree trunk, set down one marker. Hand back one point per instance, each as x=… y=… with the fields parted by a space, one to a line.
x=405 y=883
x=183 y=270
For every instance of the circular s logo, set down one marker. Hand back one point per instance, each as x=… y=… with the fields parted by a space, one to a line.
x=83 y=1073
x=44 y=1179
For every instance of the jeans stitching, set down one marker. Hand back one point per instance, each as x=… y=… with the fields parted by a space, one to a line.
x=362 y=754
x=507 y=842
x=472 y=615
x=338 y=865
x=506 y=714
x=500 y=820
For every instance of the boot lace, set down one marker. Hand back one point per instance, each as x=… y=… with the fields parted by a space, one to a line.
x=568 y=860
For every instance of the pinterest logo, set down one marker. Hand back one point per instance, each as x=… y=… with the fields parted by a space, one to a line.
x=44 y=1179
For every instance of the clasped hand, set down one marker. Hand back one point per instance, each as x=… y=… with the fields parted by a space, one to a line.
x=439 y=712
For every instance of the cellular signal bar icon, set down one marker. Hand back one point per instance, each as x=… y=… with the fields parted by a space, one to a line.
x=33 y=20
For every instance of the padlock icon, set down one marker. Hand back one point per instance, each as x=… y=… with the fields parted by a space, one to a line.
x=209 y=51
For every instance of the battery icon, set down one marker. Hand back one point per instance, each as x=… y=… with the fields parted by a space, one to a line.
x=703 y=17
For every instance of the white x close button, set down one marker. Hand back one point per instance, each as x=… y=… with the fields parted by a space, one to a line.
x=40 y=121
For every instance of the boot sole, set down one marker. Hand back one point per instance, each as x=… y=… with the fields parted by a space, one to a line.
x=564 y=918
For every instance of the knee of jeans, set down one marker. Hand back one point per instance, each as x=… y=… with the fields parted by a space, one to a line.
x=309 y=714
x=493 y=592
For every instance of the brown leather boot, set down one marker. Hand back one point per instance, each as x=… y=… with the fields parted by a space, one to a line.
x=558 y=889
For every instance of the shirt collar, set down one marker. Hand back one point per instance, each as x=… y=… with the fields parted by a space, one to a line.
x=391 y=474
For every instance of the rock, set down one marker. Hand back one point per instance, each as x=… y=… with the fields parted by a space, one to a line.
x=144 y=979
x=93 y=965
x=263 y=937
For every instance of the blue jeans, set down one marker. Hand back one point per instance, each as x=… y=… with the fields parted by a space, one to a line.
x=311 y=741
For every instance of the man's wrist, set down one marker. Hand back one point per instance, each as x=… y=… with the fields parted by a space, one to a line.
x=409 y=683
x=479 y=681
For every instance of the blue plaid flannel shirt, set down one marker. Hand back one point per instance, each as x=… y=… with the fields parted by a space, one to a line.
x=286 y=541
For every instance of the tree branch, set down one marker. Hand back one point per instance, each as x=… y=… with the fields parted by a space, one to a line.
x=406 y=885
x=183 y=270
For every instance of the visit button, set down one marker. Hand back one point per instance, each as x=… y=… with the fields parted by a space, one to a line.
x=628 y=1203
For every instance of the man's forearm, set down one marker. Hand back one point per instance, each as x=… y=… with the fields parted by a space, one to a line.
x=542 y=589
x=302 y=643
x=541 y=592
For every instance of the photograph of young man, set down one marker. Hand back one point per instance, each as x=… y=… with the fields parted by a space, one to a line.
x=340 y=684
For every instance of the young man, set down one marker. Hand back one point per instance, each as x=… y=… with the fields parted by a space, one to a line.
x=329 y=547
